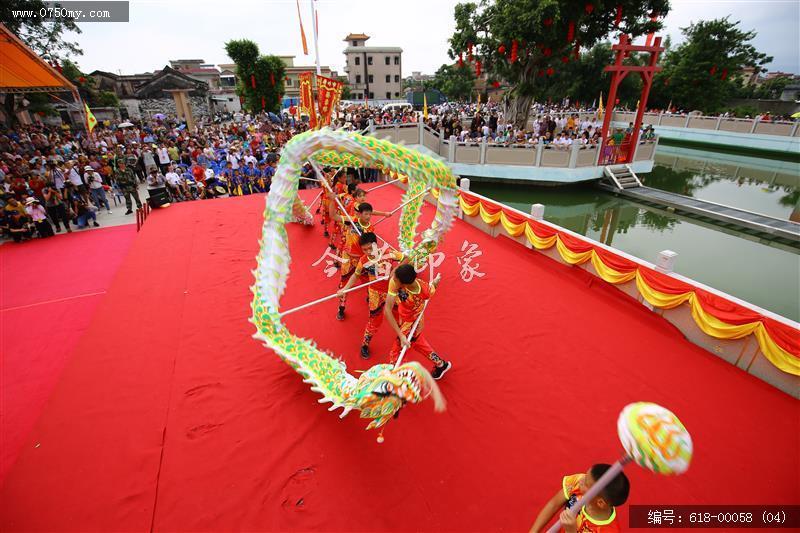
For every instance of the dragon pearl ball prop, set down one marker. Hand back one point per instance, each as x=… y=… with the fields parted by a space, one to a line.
x=654 y=438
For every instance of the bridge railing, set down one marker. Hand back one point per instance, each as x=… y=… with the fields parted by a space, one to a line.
x=783 y=128
x=484 y=152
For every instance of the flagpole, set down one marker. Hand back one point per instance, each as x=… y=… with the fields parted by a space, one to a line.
x=316 y=43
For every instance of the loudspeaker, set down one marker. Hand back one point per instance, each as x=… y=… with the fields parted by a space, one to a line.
x=158 y=197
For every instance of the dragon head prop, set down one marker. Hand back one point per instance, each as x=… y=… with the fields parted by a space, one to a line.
x=383 y=390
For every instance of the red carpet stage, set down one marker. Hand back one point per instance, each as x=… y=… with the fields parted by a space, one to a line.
x=49 y=290
x=188 y=424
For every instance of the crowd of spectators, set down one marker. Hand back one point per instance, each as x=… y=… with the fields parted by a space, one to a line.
x=52 y=179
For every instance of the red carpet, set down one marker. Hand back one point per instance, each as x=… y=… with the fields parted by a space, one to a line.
x=188 y=424
x=49 y=290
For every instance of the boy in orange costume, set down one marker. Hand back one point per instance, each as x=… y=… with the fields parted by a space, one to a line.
x=410 y=293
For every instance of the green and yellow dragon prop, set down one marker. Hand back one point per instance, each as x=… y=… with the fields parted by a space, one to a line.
x=382 y=389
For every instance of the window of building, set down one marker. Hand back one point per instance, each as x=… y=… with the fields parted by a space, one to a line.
x=358 y=60
x=396 y=60
x=369 y=60
x=387 y=59
x=370 y=79
x=396 y=95
x=397 y=78
x=388 y=78
x=358 y=78
x=357 y=96
x=288 y=82
x=371 y=95
x=388 y=95
x=355 y=43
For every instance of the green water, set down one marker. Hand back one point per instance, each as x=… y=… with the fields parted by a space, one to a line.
x=756 y=272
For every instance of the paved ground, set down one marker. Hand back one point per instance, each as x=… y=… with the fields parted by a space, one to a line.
x=118 y=216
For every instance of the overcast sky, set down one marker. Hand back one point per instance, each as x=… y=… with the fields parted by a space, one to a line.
x=160 y=30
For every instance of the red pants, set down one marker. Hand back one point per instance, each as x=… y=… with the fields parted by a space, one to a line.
x=376 y=319
x=419 y=344
x=347 y=269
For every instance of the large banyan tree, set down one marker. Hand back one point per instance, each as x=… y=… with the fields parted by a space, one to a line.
x=524 y=42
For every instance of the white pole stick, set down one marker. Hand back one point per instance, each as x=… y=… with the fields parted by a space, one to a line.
x=411 y=335
x=316 y=43
x=416 y=323
x=329 y=297
x=336 y=198
x=383 y=185
x=401 y=206
x=315 y=200
x=308 y=179
x=341 y=207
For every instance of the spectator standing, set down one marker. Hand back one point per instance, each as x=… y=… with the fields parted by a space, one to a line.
x=54 y=202
x=98 y=192
x=38 y=215
x=126 y=181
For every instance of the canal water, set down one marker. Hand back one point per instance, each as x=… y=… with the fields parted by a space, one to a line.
x=748 y=268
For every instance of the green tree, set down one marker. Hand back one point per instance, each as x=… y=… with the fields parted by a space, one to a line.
x=87 y=87
x=545 y=32
x=700 y=73
x=347 y=93
x=772 y=89
x=46 y=38
x=454 y=82
x=584 y=79
x=267 y=71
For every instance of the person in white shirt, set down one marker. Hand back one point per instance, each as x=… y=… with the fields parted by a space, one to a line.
x=163 y=157
x=233 y=159
x=98 y=192
x=175 y=184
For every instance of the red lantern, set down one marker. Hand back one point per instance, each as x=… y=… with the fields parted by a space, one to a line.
x=589 y=8
x=496 y=84
x=253 y=80
x=577 y=51
x=548 y=22
x=514 y=49
x=571 y=31
x=501 y=49
x=469 y=51
x=81 y=80
x=272 y=78
x=616 y=102
x=460 y=60
x=618 y=17
x=478 y=69
x=565 y=59
x=540 y=73
x=546 y=52
x=263 y=103
x=713 y=70
x=551 y=71
x=724 y=74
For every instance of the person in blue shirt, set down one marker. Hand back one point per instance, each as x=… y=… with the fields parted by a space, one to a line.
x=257 y=178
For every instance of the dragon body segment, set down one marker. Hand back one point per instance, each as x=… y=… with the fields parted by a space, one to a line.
x=382 y=389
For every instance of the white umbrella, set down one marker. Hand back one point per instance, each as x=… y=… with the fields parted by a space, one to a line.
x=125 y=125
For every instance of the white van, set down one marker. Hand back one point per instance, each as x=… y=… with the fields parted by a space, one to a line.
x=397 y=106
